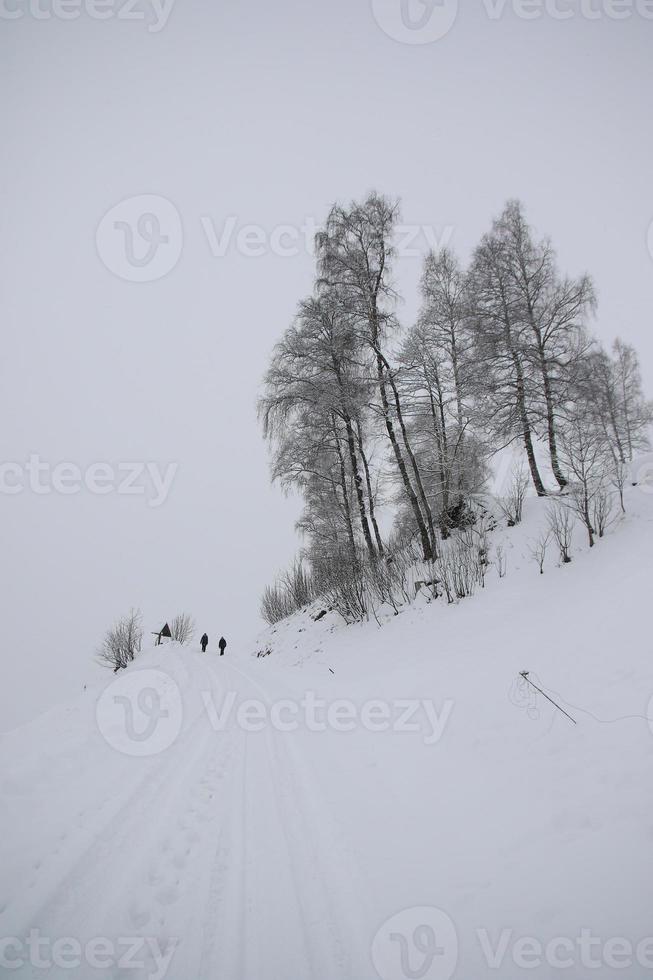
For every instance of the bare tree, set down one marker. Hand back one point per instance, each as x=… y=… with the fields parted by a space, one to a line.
x=555 y=311
x=635 y=412
x=182 y=628
x=436 y=388
x=561 y=525
x=355 y=252
x=501 y=561
x=122 y=641
x=499 y=356
x=506 y=378
x=585 y=455
x=538 y=549
x=314 y=385
x=618 y=477
x=602 y=509
x=512 y=503
x=609 y=391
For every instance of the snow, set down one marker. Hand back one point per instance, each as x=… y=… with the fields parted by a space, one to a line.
x=361 y=801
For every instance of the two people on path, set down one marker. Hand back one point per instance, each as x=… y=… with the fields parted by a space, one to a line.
x=204 y=642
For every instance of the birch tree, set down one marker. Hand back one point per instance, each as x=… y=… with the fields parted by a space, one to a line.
x=314 y=380
x=355 y=253
x=555 y=311
x=507 y=385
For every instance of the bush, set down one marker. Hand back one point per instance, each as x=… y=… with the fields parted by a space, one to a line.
x=359 y=588
x=294 y=591
x=512 y=504
x=182 y=628
x=122 y=642
x=275 y=604
x=561 y=526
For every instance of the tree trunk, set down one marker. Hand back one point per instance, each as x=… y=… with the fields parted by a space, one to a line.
x=615 y=428
x=418 y=478
x=550 y=424
x=370 y=494
x=587 y=517
x=440 y=431
x=526 y=428
x=521 y=408
x=358 y=483
x=456 y=378
x=345 y=500
x=548 y=400
x=401 y=465
x=532 y=462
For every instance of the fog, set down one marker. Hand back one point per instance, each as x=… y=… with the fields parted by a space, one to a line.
x=236 y=126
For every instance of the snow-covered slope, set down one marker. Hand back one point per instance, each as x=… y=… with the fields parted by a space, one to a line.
x=360 y=802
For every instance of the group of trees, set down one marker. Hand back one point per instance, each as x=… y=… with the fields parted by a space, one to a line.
x=123 y=641
x=359 y=413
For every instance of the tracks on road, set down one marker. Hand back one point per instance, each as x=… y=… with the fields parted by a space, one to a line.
x=223 y=847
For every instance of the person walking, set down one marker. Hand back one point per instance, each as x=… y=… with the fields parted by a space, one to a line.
x=222 y=644
x=204 y=642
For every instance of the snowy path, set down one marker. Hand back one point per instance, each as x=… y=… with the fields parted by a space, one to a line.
x=213 y=850
x=496 y=839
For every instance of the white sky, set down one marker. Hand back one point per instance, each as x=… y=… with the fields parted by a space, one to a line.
x=264 y=113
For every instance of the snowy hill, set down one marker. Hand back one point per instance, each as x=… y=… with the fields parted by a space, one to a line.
x=358 y=802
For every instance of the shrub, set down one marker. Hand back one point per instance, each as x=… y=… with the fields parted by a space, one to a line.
x=182 y=628
x=122 y=642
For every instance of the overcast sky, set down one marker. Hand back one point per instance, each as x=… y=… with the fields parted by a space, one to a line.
x=216 y=116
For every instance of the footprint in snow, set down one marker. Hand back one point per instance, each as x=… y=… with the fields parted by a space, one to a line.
x=154 y=876
x=180 y=859
x=139 y=914
x=167 y=895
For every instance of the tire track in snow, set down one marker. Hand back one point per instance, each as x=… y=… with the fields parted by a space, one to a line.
x=223 y=921
x=72 y=895
x=255 y=922
x=326 y=891
x=224 y=844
